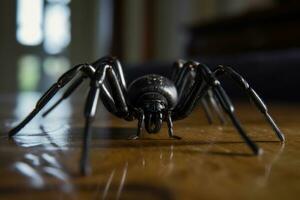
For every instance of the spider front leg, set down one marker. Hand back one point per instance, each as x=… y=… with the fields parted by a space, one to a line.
x=116 y=99
x=170 y=127
x=89 y=114
x=141 y=118
x=62 y=81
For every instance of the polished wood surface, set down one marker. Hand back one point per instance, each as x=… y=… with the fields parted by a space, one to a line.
x=210 y=162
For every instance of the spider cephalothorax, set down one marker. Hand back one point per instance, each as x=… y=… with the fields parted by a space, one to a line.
x=151 y=99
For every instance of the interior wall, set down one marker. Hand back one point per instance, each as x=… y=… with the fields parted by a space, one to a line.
x=8 y=46
x=169 y=20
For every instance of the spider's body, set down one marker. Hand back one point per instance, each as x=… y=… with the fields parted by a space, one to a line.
x=151 y=99
x=156 y=96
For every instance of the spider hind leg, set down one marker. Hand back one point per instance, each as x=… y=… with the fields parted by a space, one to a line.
x=253 y=96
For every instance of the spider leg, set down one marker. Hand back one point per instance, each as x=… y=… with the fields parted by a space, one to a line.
x=89 y=114
x=229 y=109
x=66 y=94
x=170 y=127
x=116 y=65
x=176 y=68
x=215 y=103
x=207 y=110
x=205 y=81
x=62 y=81
x=187 y=104
x=99 y=63
x=227 y=106
x=116 y=98
x=183 y=76
x=107 y=99
x=252 y=95
x=117 y=93
x=141 y=118
x=105 y=94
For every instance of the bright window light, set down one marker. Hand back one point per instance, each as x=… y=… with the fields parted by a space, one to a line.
x=29 y=22
x=57 y=28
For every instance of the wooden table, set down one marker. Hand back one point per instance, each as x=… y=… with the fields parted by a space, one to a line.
x=210 y=162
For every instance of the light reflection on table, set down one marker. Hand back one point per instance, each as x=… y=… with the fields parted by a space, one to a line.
x=210 y=162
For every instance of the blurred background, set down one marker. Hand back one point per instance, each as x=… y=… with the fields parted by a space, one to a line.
x=40 y=39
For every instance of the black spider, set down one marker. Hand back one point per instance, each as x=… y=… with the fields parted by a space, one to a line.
x=151 y=99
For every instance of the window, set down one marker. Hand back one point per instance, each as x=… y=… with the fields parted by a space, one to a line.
x=42 y=24
x=56 y=27
x=29 y=22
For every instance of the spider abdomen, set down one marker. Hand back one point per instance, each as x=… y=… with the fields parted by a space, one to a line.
x=153 y=87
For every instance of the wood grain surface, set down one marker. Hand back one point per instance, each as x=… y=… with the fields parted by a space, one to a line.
x=210 y=162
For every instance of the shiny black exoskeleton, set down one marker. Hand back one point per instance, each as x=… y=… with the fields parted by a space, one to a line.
x=155 y=95
x=151 y=99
